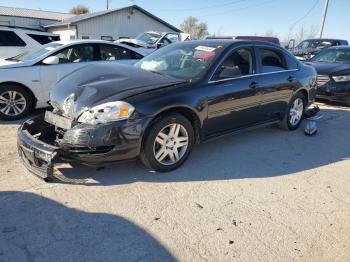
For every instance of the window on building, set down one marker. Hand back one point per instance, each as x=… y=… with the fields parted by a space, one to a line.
x=85 y=37
x=9 y=38
x=107 y=38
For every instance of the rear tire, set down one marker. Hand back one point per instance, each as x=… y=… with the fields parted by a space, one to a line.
x=295 y=113
x=168 y=143
x=15 y=102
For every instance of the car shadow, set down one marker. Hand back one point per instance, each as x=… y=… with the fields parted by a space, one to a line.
x=267 y=152
x=35 y=228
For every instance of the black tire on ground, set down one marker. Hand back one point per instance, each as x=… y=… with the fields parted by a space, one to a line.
x=29 y=102
x=285 y=123
x=147 y=154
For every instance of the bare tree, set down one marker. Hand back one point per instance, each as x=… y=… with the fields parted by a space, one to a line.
x=193 y=28
x=302 y=34
x=78 y=10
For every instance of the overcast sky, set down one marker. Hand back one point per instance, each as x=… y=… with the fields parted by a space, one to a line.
x=225 y=17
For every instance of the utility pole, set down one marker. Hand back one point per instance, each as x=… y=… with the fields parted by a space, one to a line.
x=107 y=4
x=323 y=20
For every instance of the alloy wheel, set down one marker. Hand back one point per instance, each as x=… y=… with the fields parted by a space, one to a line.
x=171 y=144
x=296 y=112
x=12 y=103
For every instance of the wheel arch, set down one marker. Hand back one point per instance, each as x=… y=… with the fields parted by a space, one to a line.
x=185 y=111
x=2 y=84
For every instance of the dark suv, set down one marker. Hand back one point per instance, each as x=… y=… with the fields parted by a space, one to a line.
x=310 y=47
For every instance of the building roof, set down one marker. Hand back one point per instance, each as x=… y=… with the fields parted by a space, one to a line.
x=31 y=13
x=80 y=18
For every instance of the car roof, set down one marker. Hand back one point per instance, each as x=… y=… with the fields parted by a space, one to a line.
x=230 y=42
x=26 y=30
x=325 y=39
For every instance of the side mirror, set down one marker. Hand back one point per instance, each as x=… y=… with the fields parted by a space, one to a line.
x=230 y=72
x=51 y=60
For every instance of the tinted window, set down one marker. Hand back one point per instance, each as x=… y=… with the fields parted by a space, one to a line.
x=9 y=38
x=76 y=54
x=239 y=63
x=112 y=53
x=272 y=60
x=44 y=39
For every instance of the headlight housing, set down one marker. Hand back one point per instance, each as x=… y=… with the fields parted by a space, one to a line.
x=341 y=78
x=108 y=112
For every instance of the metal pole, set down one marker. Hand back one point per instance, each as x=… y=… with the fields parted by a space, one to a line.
x=107 y=4
x=323 y=20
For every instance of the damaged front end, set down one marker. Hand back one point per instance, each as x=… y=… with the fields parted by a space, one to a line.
x=42 y=142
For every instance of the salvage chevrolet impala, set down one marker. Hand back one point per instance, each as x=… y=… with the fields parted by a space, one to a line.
x=180 y=95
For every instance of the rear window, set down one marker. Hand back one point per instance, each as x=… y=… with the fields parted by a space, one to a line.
x=44 y=39
x=9 y=38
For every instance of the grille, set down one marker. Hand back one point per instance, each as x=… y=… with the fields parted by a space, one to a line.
x=322 y=79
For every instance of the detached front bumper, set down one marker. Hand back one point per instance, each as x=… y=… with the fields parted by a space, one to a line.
x=40 y=146
x=36 y=155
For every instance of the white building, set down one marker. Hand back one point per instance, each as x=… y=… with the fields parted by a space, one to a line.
x=110 y=24
x=29 y=18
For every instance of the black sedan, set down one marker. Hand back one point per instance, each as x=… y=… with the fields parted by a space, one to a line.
x=182 y=94
x=333 y=74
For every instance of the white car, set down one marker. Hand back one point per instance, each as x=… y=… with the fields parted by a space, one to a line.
x=14 y=41
x=26 y=80
x=152 y=40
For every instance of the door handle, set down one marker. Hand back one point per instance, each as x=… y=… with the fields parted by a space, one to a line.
x=253 y=85
x=291 y=79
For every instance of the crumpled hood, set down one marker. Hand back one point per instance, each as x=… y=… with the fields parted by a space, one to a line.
x=6 y=64
x=331 y=69
x=99 y=83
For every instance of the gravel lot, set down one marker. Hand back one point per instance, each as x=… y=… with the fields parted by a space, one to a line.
x=266 y=195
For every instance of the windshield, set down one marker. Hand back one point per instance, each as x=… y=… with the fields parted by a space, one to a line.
x=149 y=38
x=28 y=56
x=316 y=44
x=333 y=56
x=185 y=60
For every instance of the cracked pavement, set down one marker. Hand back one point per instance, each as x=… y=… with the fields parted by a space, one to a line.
x=265 y=195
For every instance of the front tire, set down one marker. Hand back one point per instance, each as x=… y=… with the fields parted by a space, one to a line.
x=295 y=113
x=168 y=143
x=15 y=102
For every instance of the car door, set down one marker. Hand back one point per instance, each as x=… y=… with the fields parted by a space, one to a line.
x=70 y=59
x=233 y=93
x=277 y=80
x=115 y=53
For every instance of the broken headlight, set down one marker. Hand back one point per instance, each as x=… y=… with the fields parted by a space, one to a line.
x=108 y=112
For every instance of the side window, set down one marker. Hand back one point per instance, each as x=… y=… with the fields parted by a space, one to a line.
x=272 y=60
x=9 y=38
x=164 y=42
x=239 y=63
x=44 y=39
x=112 y=53
x=172 y=38
x=76 y=54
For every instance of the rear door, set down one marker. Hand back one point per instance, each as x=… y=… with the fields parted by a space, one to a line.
x=233 y=101
x=277 y=80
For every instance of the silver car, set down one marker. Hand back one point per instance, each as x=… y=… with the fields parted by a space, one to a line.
x=26 y=79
